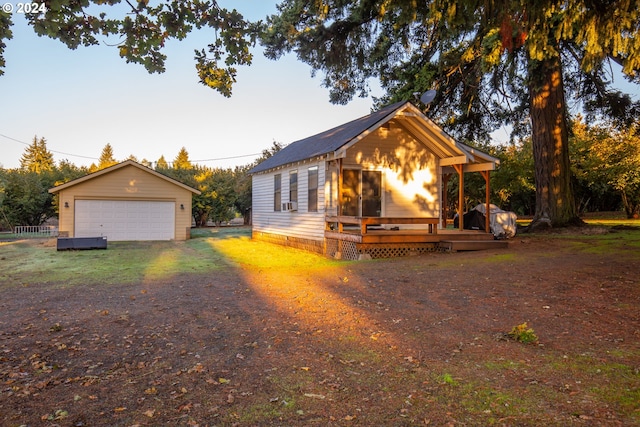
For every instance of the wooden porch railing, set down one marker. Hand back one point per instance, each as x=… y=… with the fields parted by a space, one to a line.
x=363 y=222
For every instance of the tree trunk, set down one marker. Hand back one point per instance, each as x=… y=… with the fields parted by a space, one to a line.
x=201 y=218
x=555 y=205
x=631 y=208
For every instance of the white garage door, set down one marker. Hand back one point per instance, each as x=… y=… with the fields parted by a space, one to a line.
x=125 y=220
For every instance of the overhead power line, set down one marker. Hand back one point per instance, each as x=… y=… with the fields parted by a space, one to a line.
x=53 y=151
x=227 y=158
x=96 y=158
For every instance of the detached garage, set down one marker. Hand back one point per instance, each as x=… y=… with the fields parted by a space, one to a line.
x=127 y=201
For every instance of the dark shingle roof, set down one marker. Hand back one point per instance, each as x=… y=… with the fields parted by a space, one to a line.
x=325 y=142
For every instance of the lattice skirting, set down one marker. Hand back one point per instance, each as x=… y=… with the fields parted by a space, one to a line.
x=354 y=251
x=294 y=242
x=341 y=249
x=351 y=251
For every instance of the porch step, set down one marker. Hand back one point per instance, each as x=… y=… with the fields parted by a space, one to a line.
x=472 y=245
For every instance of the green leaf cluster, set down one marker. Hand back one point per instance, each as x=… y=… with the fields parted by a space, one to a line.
x=609 y=158
x=141 y=31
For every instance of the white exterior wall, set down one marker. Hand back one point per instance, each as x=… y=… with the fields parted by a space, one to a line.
x=301 y=223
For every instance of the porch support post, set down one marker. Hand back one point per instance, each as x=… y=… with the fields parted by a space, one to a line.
x=460 y=170
x=445 y=183
x=487 y=223
x=339 y=210
x=339 y=193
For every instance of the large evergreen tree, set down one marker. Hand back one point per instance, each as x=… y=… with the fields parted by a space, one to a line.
x=162 y=163
x=182 y=160
x=37 y=158
x=106 y=158
x=491 y=62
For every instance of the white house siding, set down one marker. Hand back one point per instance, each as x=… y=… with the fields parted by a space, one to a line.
x=410 y=171
x=300 y=224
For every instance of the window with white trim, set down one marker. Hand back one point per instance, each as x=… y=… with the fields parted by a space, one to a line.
x=277 y=193
x=293 y=186
x=313 y=189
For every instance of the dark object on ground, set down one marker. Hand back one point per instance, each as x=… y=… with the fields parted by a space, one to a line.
x=77 y=243
x=473 y=220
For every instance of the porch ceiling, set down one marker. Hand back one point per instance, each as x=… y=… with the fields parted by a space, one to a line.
x=441 y=144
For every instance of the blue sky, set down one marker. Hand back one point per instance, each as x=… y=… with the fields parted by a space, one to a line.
x=80 y=100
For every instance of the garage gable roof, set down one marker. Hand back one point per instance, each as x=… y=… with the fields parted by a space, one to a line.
x=124 y=164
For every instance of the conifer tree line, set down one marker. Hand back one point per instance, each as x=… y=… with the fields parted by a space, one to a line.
x=605 y=162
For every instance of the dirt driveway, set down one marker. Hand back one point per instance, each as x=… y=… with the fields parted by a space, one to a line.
x=413 y=341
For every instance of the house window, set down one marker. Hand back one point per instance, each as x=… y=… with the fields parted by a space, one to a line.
x=313 y=189
x=277 y=192
x=293 y=186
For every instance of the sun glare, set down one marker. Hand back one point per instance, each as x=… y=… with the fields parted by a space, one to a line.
x=162 y=266
x=318 y=309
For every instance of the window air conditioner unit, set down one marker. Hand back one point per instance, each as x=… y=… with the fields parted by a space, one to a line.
x=290 y=206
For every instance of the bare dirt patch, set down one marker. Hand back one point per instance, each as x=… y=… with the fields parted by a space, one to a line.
x=413 y=341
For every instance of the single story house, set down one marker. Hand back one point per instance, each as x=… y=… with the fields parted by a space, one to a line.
x=372 y=186
x=127 y=201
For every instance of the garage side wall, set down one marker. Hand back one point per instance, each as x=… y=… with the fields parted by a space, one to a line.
x=128 y=183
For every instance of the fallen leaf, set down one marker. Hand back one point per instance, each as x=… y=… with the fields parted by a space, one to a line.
x=315 y=396
x=186 y=408
x=120 y=409
x=150 y=413
x=198 y=368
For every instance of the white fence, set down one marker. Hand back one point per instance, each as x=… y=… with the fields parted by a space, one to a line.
x=35 y=231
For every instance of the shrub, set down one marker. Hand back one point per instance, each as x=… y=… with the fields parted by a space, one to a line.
x=523 y=334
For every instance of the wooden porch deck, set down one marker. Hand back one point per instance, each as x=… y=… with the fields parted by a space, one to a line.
x=395 y=230
x=378 y=237
x=373 y=236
